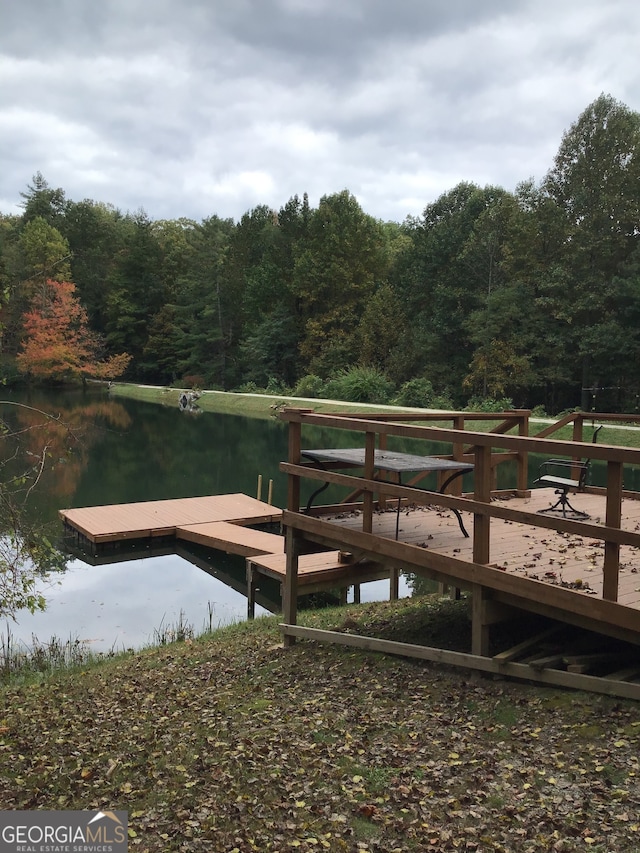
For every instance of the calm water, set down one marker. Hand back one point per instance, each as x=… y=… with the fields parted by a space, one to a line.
x=115 y=450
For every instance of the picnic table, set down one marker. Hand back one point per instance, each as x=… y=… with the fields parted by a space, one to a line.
x=389 y=460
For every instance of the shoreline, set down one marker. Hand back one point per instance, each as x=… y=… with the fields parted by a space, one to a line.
x=248 y=404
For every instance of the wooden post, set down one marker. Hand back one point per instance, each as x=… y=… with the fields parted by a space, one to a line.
x=356 y=593
x=259 y=489
x=613 y=519
x=481 y=523
x=577 y=427
x=578 y=435
x=522 y=476
x=369 y=467
x=290 y=589
x=458 y=454
x=252 y=577
x=270 y=493
x=479 y=625
x=293 y=482
x=384 y=475
x=394 y=583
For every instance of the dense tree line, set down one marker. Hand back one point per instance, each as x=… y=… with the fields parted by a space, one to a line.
x=532 y=296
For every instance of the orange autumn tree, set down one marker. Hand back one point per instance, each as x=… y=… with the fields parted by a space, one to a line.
x=58 y=342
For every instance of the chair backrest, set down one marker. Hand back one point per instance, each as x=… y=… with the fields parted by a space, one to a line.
x=566 y=473
x=587 y=466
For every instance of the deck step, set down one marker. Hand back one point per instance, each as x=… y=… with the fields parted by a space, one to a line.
x=232 y=538
x=326 y=567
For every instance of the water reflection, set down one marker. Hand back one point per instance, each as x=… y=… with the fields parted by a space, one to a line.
x=107 y=451
x=120 y=605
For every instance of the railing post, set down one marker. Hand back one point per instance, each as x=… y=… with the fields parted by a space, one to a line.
x=382 y=445
x=522 y=482
x=292 y=538
x=578 y=423
x=369 y=468
x=290 y=588
x=458 y=455
x=613 y=519
x=481 y=523
x=458 y=446
x=295 y=443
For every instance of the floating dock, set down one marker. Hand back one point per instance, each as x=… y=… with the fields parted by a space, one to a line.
x=221 y=523
x=101 y=525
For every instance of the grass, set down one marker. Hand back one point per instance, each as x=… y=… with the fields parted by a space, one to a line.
x=19 y=662
x=228 y=742
x=223 y=402
x=265 y=406
x=26 y=664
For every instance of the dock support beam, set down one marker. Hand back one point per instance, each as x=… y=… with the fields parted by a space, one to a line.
x=611 y=567
x=290 y=591
x=481 y=523
x=394 y=583
x=252 y=580
x=479 y=625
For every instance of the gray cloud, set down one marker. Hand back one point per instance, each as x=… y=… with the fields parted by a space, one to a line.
x=213 y=106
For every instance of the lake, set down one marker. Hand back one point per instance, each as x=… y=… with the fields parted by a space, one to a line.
x=115 y=450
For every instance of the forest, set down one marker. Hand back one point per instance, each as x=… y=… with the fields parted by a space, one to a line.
x=528 y=298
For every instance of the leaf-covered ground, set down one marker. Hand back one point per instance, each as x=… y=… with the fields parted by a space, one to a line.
x=233 y=744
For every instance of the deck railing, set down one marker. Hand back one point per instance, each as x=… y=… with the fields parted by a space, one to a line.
x=502 y=423
x=487 y=450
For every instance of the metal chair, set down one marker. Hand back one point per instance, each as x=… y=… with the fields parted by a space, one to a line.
x=551 y=474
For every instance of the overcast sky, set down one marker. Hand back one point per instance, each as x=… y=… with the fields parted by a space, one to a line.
x=200 y=107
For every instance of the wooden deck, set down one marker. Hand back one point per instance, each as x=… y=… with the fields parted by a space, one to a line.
x=540 y=570
x=561 y=559
x=220 y=522
x=152 y=519
x=579 y=573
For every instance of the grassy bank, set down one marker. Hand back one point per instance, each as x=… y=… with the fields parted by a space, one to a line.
x=227 y=403
x=264 y=406
x=231 y=743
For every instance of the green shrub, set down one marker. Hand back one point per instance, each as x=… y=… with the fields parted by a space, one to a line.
x=249 y=388
x=360 y=385
x=309 y=386
x=277 y=386
x=489 y=404
x=416 y=392
x=419 y=393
